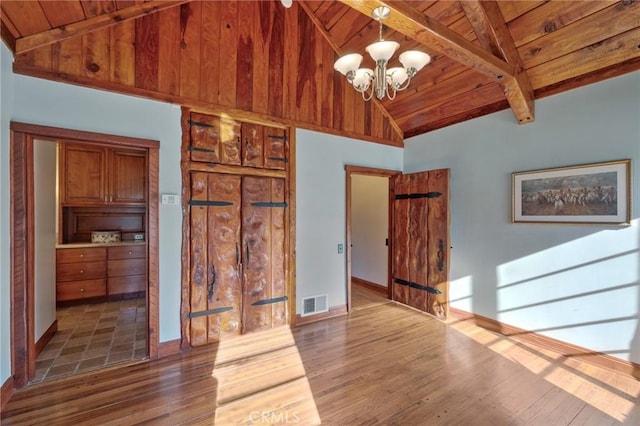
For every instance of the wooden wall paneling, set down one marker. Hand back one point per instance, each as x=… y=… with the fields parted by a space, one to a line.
x=95 y=55
x=169 y=50
x=290 y=70
x=277 y=257
x=147 y=42
x=256 y=249
x=253 y=144
x=42 y=58
x=348 y=106
x=223 y=236
x=66 y=60
x=190 y=54
x=438 y=243
x=261 y=26
x=418 y=235
x=512 y=9
x=275 y=148
x=245 y=64
x=210 y=46
x=122 y=53
x=306 y=91
x=339 y=85
x=620 y=18
x=276 y=63
x=230 y=143
x=204 y=142
x=401 y=234
x=607 y=53
x=228 y=55
x=199 y=260
x=326 y=91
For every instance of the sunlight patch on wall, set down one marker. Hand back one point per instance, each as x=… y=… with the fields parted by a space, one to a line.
x=461 y=293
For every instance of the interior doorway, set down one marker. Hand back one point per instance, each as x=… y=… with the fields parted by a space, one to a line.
x=28 y=261
x=367 y=269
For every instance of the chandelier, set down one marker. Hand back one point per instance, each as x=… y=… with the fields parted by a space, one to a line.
x=383 y=81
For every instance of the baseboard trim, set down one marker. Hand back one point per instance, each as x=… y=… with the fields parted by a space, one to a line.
x=6 y=392
x=169 y=347
x=46 y=337
x=369 y=285
x=334 y=311
x=568 y=350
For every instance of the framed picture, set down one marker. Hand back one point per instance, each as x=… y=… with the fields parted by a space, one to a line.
x=597 y=193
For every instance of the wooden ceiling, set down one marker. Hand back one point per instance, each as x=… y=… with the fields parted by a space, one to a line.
x=259 y=60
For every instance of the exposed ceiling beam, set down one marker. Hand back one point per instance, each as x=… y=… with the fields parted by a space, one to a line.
x=492 y=31
x=336 y=48
x=411 y=22
x=98 y=22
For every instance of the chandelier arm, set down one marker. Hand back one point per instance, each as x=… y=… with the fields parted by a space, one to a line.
x=404 y=86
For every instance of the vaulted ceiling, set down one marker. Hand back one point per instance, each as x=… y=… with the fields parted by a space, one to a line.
x=259 y=60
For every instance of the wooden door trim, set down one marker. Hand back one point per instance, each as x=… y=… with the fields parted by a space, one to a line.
x=22 y=136
x=368 y=171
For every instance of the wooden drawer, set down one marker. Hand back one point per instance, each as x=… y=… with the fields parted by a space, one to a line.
x=80 y=271
x=131 y=284
x=86 y=254
x=126 y=267
x=127 y=252
x=74 y=290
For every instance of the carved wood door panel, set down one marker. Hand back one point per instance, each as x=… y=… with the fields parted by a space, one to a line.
x=237 y=261
x=421 y=240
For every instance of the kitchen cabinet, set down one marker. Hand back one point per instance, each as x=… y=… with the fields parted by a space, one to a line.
x=222 y=140
x=87 y=272
x=93 y=175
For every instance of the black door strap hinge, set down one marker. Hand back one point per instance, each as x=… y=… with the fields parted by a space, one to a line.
x=209 y=312
x=418 y=195
x=270 y=301
x=417 y=286
x=210 y=203
x=268 y=204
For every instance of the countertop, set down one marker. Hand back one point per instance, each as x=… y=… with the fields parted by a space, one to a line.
x=85 y=245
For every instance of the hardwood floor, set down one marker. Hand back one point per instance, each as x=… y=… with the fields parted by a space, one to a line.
x=381 y=364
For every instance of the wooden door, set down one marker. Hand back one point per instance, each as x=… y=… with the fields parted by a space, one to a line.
x=214 y=139
x=127 y=177
x=275 y=148
x=215 y=291
x=421 y=240
x=84 y=175
x=263 y=228
x=253 y=145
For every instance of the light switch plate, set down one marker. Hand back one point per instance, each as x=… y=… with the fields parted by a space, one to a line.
x=170 y=199
x=340 y=248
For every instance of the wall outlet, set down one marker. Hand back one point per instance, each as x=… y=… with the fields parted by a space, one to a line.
x=340 y=248
x=138 y=237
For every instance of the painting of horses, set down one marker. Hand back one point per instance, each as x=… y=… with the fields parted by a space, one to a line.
x=589 y=193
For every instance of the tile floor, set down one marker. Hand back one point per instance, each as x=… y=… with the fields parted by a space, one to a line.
x=94 y=336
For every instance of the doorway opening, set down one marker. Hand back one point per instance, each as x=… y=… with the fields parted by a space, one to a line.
x=369 y=229
x=46 y=303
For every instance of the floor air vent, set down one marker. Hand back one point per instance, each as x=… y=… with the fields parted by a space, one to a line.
x=315 y=305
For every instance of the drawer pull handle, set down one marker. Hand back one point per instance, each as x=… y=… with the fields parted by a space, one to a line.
x=82 y=289
x=82 y=255
x=81 y=271
x=130 y=253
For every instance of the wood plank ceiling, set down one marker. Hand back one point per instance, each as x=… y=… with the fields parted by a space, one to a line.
x=258 y=60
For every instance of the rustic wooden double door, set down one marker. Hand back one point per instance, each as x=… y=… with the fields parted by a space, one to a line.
x=237 y=255
x=420 y=260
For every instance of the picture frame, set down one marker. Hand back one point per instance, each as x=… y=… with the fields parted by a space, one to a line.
x=597 y=193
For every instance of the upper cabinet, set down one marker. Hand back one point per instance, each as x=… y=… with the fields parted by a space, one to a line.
x=93 y=175
x=222 y=140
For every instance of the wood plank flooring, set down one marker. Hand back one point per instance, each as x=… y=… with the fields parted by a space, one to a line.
x=381 y=364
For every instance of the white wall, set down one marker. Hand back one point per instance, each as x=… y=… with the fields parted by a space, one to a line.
x=369 y=228
x=576 y=283
x=320 y=204
x=49 y=103
x=6 y=107
x=45 y=189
